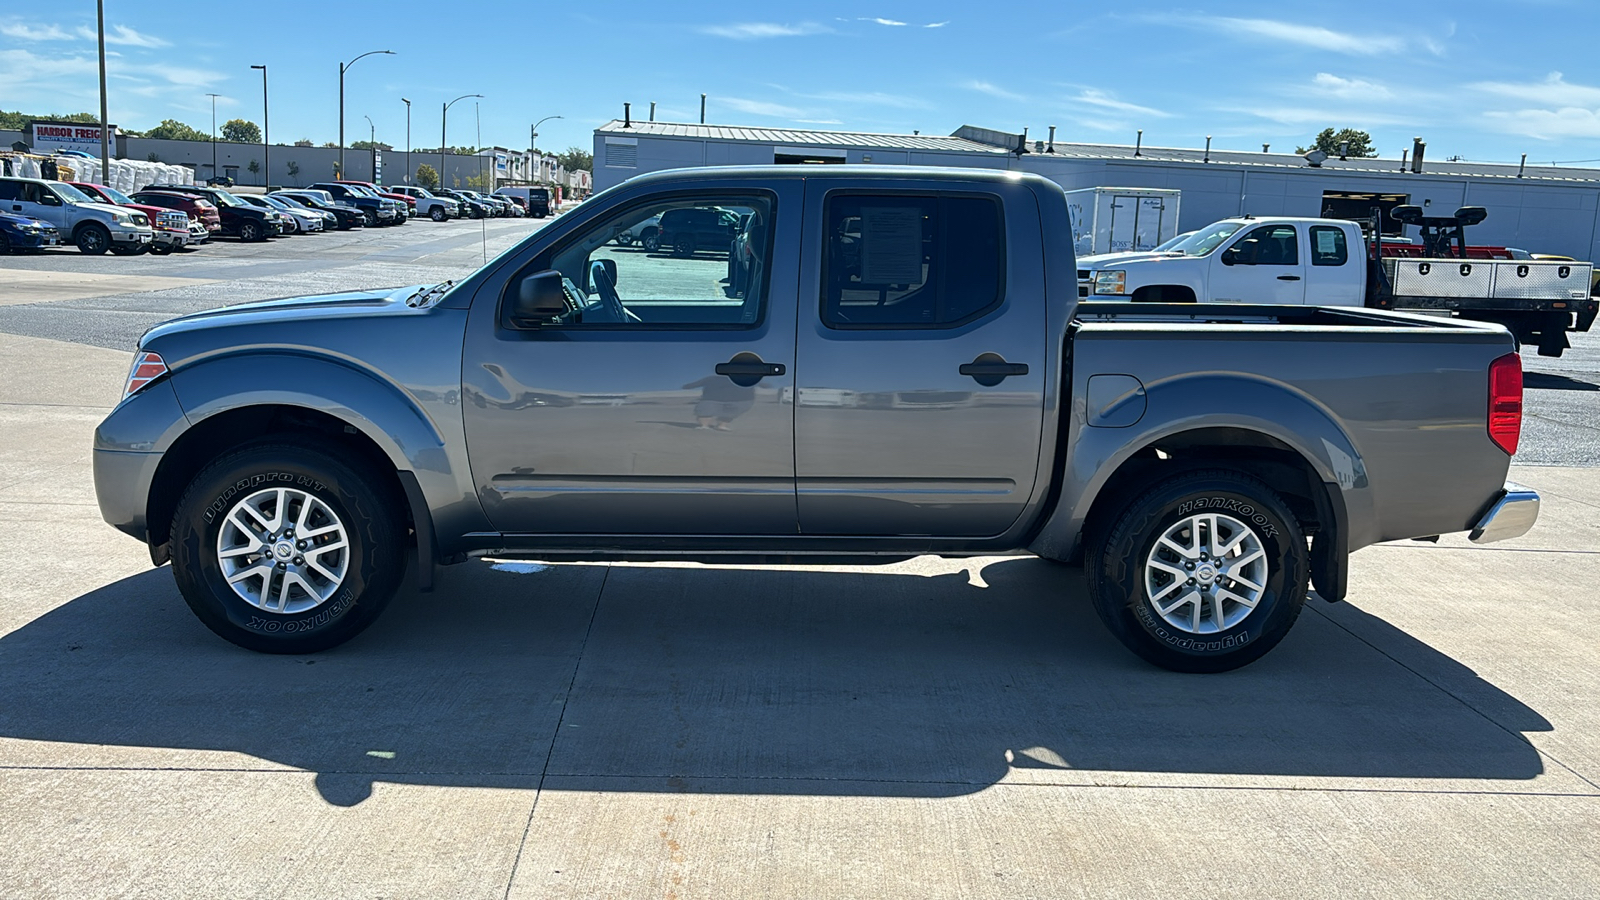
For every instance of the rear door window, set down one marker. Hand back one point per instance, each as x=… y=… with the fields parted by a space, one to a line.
x=903 y=261
x=1328 y=246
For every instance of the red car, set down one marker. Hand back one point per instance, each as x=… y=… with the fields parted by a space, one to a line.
x=198 y=208
x=410 y=201
x=172 y=231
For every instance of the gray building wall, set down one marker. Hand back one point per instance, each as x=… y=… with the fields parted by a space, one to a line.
x=1541 y=214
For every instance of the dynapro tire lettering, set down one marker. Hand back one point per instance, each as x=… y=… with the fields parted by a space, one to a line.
x=1185 y=642
x=1236 y=507
x=254 y=481
x=324 y=616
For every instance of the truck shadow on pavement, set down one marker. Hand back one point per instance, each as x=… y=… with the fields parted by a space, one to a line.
x=733 y=680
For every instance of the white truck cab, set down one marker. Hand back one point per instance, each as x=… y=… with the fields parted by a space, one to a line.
x=1283 y=260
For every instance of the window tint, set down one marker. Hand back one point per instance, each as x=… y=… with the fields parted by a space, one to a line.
x=1269 y=245
x=910 y=261
x=1328 y=246
x=676 y=263
x=10 y=190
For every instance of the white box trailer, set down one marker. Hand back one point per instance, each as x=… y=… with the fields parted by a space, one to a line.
x=1119 y=220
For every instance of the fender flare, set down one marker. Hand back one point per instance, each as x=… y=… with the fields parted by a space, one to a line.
x=1191 y=403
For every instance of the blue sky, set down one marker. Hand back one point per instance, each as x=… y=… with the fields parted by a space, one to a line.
x=1479 y=79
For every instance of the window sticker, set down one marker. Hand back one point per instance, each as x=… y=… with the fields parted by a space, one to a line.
x=891 y=245
x=1327 y=241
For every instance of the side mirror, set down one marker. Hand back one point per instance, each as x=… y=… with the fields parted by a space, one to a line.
x=49 y=199
x=539 y=298
x=1240 y=254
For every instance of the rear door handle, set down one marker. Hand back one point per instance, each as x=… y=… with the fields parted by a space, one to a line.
x=989 y=369
x=1288 y=277
x=745 y=369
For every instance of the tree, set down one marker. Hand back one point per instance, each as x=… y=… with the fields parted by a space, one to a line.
x=478 y=182
x=427 y=177
x=304 y=142
x=1329 y=140
x=241 y=131
x=576 y=159
x=294 y=170
x=331 y=144
x=173 y=130
x=153 y=157
x=253 y=168
x=18 y=121
x=368 y=145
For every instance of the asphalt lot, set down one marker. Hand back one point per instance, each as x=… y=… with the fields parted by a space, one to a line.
x=929 y=729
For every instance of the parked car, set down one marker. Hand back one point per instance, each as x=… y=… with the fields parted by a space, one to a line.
x=298 y=222
x=317 y=220
x=94 y=227
x=170 y=226
x=428 y=204
x=1207 y=465
x=498 y=206
x=239 y=219
x=204 y=220
x=685 y=231
x=536 y=200
x=408 y=202
x=18 y=233
x=346 y=216
x=471 y=207
x=379 y=210
x=643 y=232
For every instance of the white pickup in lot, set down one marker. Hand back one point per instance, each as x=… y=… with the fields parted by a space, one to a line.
x=1328 y=262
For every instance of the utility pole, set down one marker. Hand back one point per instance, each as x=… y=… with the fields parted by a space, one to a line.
x=105 y=127
x=266 y=134
x=214 y=172
x=343 y=67
x=408 y=139
x=444 y=119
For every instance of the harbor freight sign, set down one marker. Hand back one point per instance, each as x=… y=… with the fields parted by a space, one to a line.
x=48 y=137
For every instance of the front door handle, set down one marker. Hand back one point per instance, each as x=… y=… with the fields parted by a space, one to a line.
x=1288 y=277
x=989 y=369
x=745 y=369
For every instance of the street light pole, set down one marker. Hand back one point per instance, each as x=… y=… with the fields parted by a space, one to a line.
x=266 y=133
x=105 y=128
x=533 y=139
x=372 y=145
x=444 y=118
x=408 y=138
x=213 y=133
x=342 y=68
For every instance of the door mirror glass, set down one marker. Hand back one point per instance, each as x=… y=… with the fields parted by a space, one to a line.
x=538 y=299
x=1240 y=254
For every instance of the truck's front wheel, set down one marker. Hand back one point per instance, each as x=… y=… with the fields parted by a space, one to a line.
x=285 y=549
x=1205 y=572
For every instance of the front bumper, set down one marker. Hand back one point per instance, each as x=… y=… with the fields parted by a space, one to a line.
x=174 y=239
x=32 y=240
x=1510 y=516
x=132 y=236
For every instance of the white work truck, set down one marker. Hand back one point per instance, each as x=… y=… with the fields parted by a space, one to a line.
x=1328 y=262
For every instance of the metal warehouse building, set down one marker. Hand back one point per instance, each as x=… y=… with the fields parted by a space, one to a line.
x=1544 y=209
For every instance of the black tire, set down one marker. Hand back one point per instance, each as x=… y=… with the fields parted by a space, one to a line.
x=250 y=232
x=651 y=238
x=5 y=244
x=1116 y=560
x=683 y=245
x=93 y=239
x=373 y=523
x=438 y=214
x=370 y=217
x=624 y=239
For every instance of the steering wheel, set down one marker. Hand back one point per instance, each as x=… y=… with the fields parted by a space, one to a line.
x=610 y=300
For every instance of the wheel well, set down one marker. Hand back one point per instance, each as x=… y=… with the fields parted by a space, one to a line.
x=1278 y=465
x=218 y=434
x=1164 y=293
x=86 y=224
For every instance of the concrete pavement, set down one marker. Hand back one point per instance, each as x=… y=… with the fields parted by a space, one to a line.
x=928 y=729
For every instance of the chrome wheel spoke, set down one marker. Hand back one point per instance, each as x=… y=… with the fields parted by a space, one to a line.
x=1190 y=552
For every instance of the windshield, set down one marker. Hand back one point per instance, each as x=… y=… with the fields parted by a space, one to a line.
x=419 y=192
x=226 y=199
x=1171 y=242
x=71 y=194
x=1202 y=242
x=116 y=196
x=288 y=202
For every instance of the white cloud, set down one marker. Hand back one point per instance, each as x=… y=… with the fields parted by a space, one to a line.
x=984 y=87
x=66 y=82
x=1327 y=84
x=880 y=21
x=1103 y=100
x=1314 y=36
x=25 y=32
x=937 y=24
x=1548 y=124
x=1554 y=90
x=123 y=35
x=762 y=108
x=746 y=31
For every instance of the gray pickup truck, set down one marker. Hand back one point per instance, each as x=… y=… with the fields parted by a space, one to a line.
x=904 y=368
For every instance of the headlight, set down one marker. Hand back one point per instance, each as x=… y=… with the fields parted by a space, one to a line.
x=1110 y=281
x=122 y=218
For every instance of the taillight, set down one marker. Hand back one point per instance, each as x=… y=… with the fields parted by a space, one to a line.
x=147 y=367
x=1505 y=402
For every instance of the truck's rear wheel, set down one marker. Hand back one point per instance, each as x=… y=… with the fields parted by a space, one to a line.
x=285 y=549
x=1205 y=572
